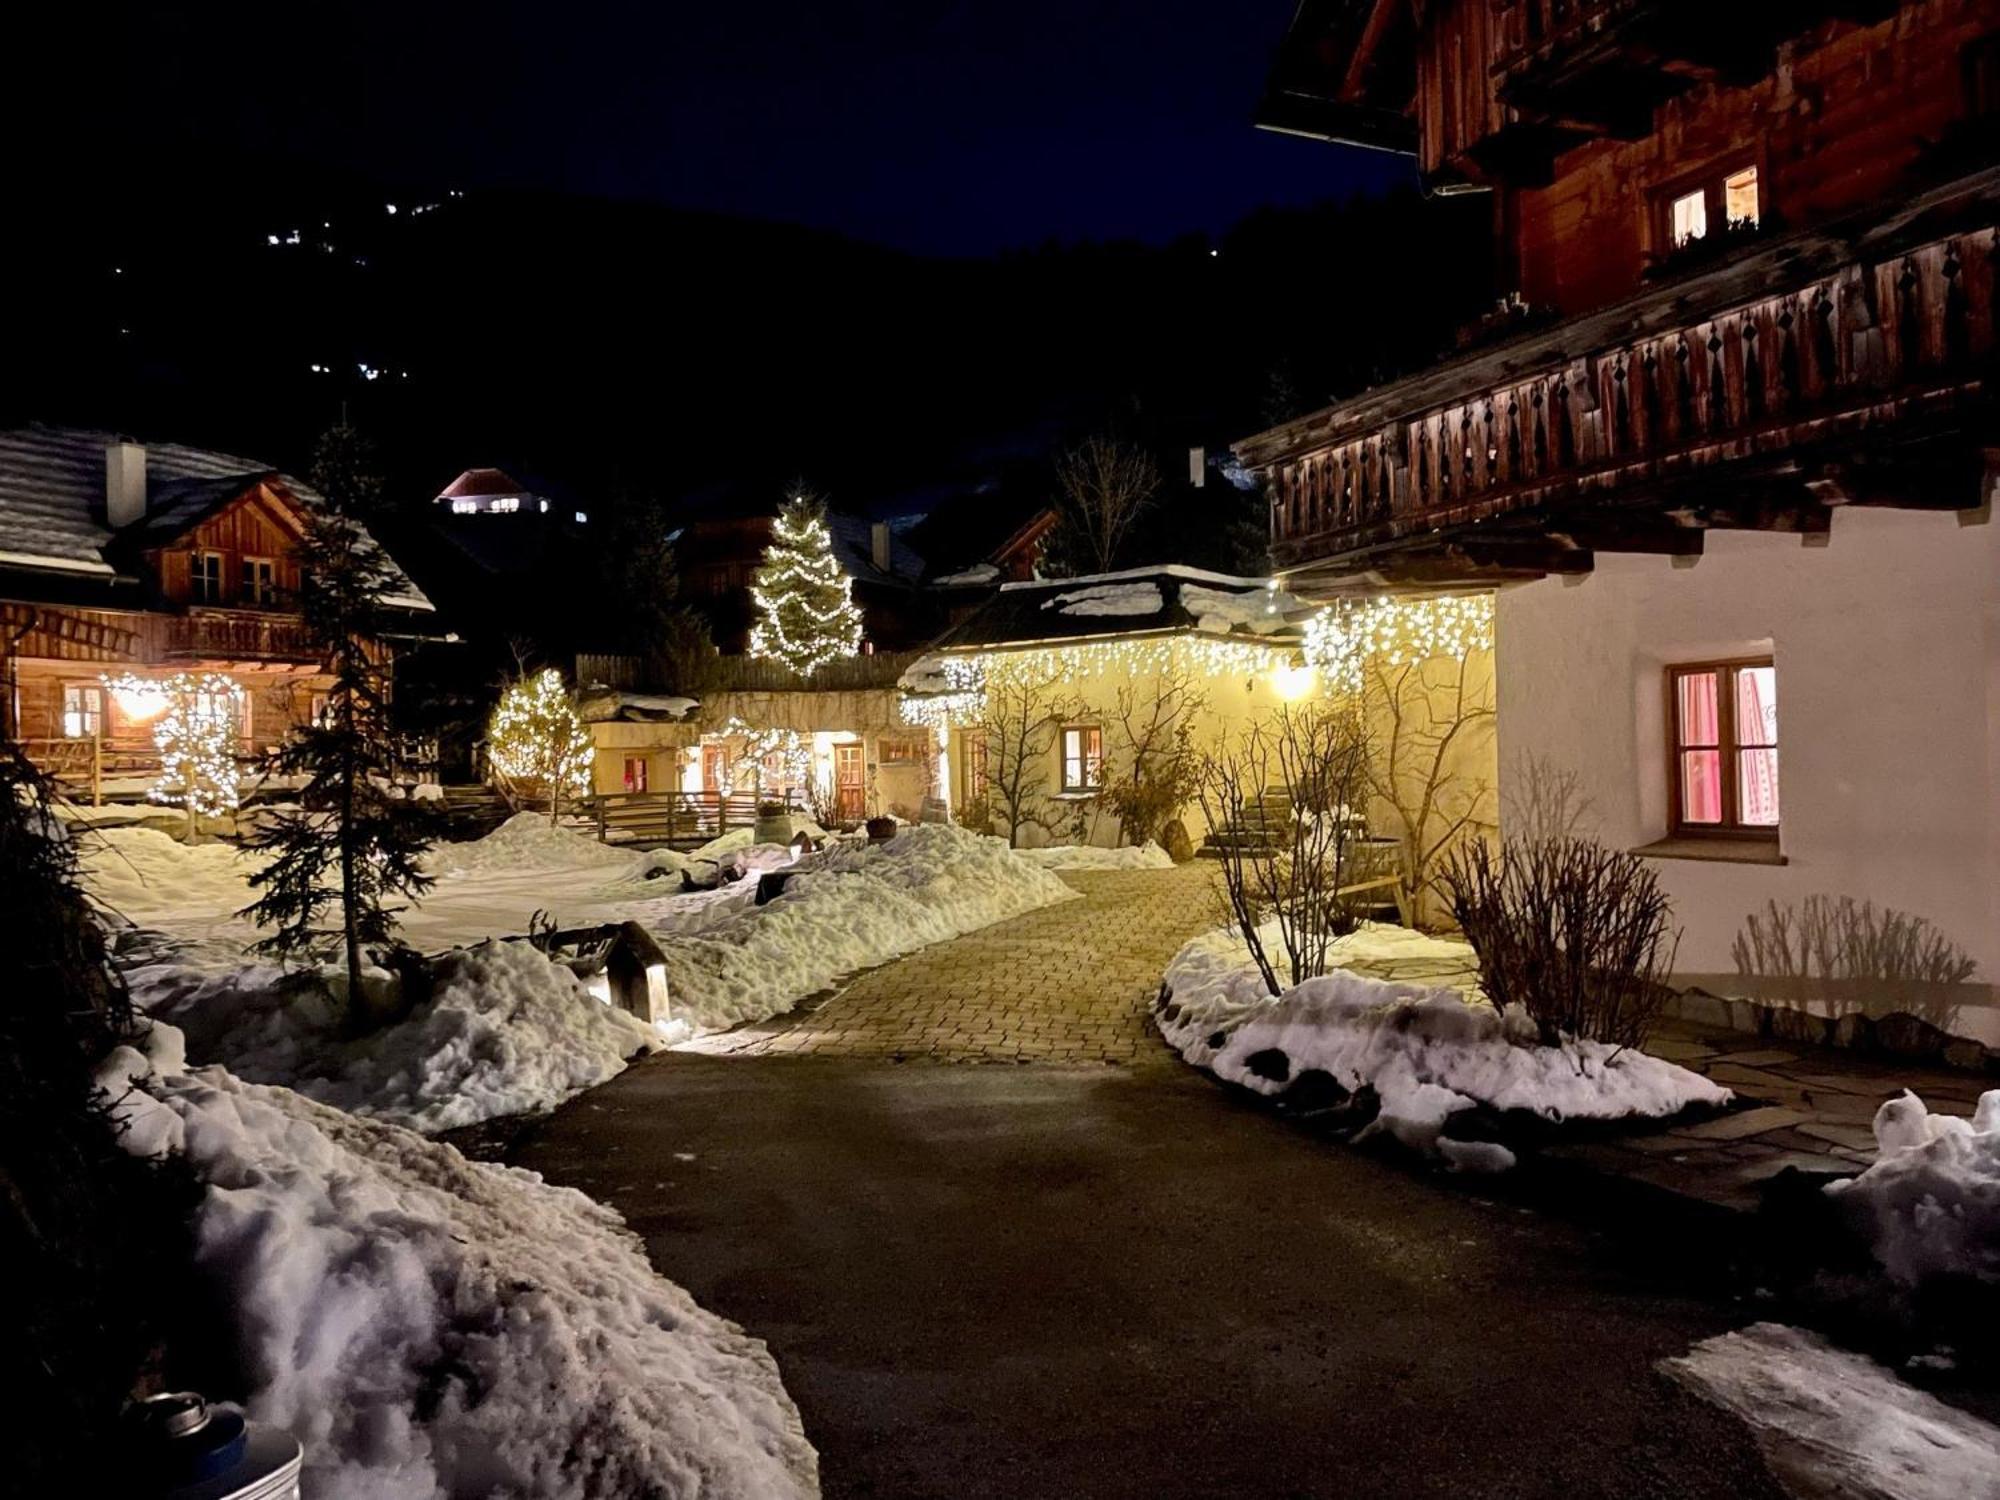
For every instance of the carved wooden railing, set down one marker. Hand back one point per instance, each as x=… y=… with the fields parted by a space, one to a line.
x=1860 y=343
x=239 y=636
x=1521 y=28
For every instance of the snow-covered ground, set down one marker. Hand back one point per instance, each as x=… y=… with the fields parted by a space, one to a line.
x=1146 y=856
x=1428 y=1050
x=1930 y=1204
x=504 y=1032
x=1836 y=1425
x=430 y=1326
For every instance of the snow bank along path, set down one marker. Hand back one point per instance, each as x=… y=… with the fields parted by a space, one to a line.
x=504 y=1032
x=1146 y=856
x=1835 y=1424
x=1929 y=1206
x=431 y=1326
x=1427 y=1051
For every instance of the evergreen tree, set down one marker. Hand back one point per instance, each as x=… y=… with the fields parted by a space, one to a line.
x=805 y=607
x=538 y=736
x=347 y=471
x=350 y=844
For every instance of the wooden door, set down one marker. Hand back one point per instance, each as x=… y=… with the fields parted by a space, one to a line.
x=850 y=790
x=713 y=763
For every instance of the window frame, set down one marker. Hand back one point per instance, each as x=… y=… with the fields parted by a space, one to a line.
x=1711 y=182
x=94 y=715
x=1729 y=748
x=637 y=774
x=1085 y=761
x=257 y=580
x=198 y=576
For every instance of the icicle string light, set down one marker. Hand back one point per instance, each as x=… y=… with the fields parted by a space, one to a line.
x=1343 y=637
x=805 y=605
x=966 y=675
x=197 y=733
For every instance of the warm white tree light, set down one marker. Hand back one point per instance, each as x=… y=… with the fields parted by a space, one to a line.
x=537 y=736
x=805 y=606
x=197 y=732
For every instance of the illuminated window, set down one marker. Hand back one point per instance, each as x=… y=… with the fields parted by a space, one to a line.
x=1690 y=212
x=1082 y=758
x=1724 y=726
x=582 y=517
x=1739 y=197
x=464 y=507
x=1727 y=200
x=83 y=710
x=260 y=581
x=205 y=573
x=635 y=773
x=506 y=503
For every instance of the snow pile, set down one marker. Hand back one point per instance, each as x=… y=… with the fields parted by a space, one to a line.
x=526 y=842
x=504 y=1032
x=848 y=908
x=1930 y=1205
x=1146 y=856
x=432 y=1326
x=976 y=574
x=1260 y=611
x=1110 y=599
x=133 y=870
x=1427 y=1050
x=1834 y=1423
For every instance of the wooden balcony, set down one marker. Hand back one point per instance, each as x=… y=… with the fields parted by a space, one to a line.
x=1807 y=371
x=237 y=635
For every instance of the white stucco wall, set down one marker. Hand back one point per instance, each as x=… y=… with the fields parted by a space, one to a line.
x=1887 y=645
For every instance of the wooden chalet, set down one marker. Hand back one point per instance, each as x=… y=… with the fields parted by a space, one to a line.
x=1751 y=249
x=1726 y=451
x=118 y=559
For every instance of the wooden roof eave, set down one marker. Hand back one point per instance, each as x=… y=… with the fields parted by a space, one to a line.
x=1799 y=256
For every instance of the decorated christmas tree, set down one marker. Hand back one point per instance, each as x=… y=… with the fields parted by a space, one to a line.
x=196 y=737
x=805 y=607
x=539 y=738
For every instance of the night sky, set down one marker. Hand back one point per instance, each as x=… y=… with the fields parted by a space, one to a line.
x=949 y=128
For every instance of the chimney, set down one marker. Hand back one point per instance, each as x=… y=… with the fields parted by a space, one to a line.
x=1198 y=468
x=878 y=545
x=124 y=483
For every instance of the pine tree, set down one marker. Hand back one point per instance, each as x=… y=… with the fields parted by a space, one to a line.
x=538 y=736
x=805 y=607
x=350 y=844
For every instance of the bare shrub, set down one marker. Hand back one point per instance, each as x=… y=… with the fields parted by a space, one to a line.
x=1853 y=956
x=823 y=800
x=1155 y=767
x=1573 y=932
x=1025 y=710
x=1318 y=758
x=1428 y=766
x=1546 y=801
x=1106 y=483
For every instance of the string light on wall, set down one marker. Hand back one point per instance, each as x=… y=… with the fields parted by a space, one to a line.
x=199 y=724
x=1396 y=632
x=793 y=751
x=966 y=676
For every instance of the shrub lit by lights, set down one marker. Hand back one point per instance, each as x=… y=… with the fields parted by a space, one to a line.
x=805 y=606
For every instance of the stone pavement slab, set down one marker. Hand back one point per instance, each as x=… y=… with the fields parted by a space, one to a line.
x=1068 y=983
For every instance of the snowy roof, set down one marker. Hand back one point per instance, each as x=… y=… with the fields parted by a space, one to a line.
x=481 y=482
x=52 y=502
x=854 y=545
x=1137 y=601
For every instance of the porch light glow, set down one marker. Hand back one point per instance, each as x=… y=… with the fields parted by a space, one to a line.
x=138 y=698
